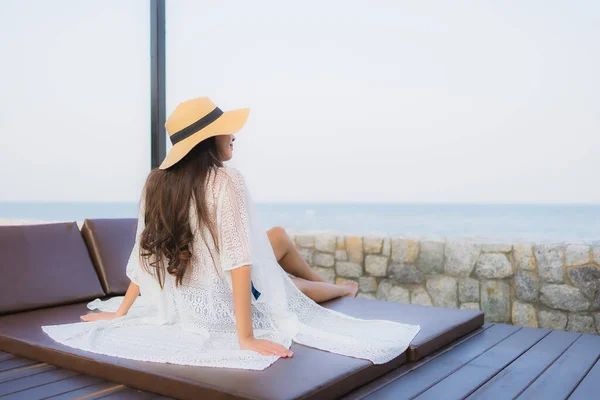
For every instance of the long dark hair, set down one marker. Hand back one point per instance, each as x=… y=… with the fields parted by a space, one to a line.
x=167 y=235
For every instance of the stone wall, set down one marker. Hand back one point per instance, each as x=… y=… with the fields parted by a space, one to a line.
x=551 y=286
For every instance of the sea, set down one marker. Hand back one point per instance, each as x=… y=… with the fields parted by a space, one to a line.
x=494 y=222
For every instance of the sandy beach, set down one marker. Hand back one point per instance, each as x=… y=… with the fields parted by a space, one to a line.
x=6 y=222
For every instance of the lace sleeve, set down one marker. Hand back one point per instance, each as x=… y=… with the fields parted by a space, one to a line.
x=134 y=268
x=234 y=232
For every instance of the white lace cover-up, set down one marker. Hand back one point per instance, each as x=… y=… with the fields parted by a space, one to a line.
x=194 y=324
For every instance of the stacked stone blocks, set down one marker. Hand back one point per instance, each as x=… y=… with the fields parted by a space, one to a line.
x=553 y=286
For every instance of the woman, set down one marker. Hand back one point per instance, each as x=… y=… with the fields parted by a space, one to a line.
x=213 y=292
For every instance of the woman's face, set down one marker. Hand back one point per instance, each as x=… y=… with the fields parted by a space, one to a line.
x=225 y=146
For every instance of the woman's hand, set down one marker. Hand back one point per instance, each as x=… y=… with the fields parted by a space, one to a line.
x=240 y=278
x=133 y=291
x=100 y=316
x=265 y=347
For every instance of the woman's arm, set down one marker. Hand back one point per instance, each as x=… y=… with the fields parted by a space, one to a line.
x=236 y=258
x=133 y=291
x=240 y=280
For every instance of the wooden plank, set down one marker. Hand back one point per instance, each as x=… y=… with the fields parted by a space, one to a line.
x=17 y=385
x=513 y=379
x=54 y=388
x=15 y=363
x=476 y=372
x=5 y=356
x=131 y=394
x=91 y=392
x=589 y=387
x=128 y=393
x=427 y=375
x=559 y=380
x=406 y=368
x=21 y=372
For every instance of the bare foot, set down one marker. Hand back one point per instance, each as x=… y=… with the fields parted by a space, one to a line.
x=352 y=288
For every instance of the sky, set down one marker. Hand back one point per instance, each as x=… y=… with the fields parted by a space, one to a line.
x=351 y=101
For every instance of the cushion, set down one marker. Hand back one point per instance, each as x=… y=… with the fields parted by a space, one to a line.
x=310 y=374
x=439 y=326
x=110 y=242
x=44 y=265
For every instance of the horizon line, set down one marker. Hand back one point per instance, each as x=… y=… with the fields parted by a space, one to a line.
x=30 y=202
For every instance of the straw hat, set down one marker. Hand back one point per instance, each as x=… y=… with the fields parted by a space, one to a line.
x=196 y=120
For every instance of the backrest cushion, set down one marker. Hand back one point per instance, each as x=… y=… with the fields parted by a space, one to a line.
x=43 y=266
x=110 y=242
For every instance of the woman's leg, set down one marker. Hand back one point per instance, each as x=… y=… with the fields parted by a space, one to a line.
x=322 y=291
x=304 y=277
x=289 y=257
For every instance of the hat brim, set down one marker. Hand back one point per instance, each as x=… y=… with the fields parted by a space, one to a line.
x=228 y=123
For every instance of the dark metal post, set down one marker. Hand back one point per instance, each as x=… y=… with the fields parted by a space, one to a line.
x=158 y=138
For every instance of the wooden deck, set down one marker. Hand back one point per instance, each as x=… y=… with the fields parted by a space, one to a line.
x=25 y=379
x=497 y=361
